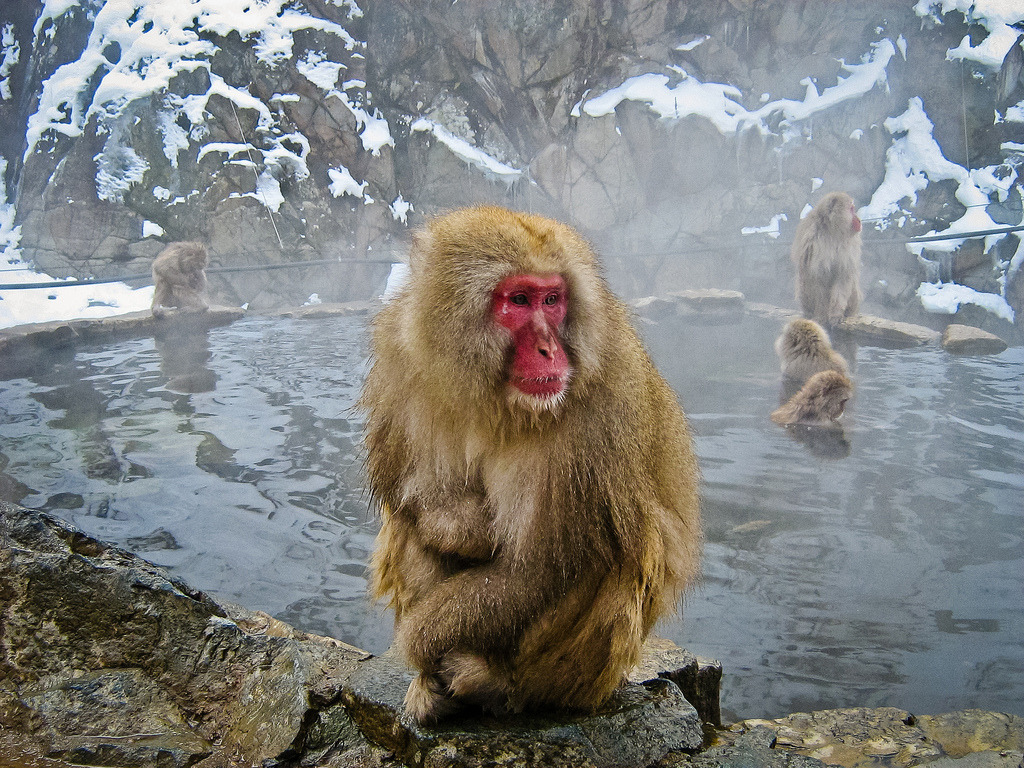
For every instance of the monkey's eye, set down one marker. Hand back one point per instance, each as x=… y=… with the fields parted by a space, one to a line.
x=520 y=299
x=551 y=299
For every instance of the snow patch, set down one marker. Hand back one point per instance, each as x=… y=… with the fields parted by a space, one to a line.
x=771 y=228
x=10 y=55
x=720 y=103
x=466 y=151
x=400 y=209
x=342 y=183
x=946 y=298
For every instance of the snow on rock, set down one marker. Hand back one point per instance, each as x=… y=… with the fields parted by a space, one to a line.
x=400 y=209
x=995 y=15
x=10 y=55
x=37 y=305
x=136 y=47
x=946 y=298
x=771 y=228
x=721 y=103
x=465 y=151
x=914 y=161
x=342 y=183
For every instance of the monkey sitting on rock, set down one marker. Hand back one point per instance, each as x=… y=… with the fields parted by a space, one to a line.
x=535 y=474
x=179 y=279
x=826 y=254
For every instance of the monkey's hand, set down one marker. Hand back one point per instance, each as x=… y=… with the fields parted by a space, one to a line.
x=461 y=527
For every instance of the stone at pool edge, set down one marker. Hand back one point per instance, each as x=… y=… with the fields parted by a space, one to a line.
x=34 y=338
x=960 y=339
x=640 y=725
x=88 y=621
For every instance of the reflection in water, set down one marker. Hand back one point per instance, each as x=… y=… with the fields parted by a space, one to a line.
x=184 y=352
x=824 y=442
x=882 y=568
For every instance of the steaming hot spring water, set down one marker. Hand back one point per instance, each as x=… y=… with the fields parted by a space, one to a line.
x=877 y=566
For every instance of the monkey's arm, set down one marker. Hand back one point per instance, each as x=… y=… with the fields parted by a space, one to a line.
x=483 y=608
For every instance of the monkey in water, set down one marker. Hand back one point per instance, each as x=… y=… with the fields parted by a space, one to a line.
x=179 y=277
x=804 y=350
x=819 y=403
x=826 y=253
x=535 y=473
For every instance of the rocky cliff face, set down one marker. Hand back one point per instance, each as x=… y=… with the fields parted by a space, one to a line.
x=307 y=132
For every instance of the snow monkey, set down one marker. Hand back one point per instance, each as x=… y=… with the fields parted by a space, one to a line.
x=535 y=473
x=804 y=350
x=819 y=403
x=179 y=275
x=826 y=253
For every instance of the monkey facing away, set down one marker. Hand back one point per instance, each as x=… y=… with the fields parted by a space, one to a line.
x=819 y=403
x=826 y=253
x=535 y=473
x=179 y=277
x=804 y=350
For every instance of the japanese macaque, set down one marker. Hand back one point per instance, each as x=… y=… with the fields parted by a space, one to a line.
x=819 y=403
x=804 y=350
x=535 y=473
x=826 y=253
x=179 y=277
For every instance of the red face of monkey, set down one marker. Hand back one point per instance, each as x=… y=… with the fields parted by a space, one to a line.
x=856 y=220
x=532 y=308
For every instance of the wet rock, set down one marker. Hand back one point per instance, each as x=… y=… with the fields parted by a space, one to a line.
x=974 y=730
x=857 y=738
x=655 y=308
x=968 y=340
x=754 y=748
x=112 y=717
x=107 y=661
x=641 y=724
x=334 y=309
x=981 y=760
x=888 y=333
x=711 y=300
x=851 y=737
x=699 y=679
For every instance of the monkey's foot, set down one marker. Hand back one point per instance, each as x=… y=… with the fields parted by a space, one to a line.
x=427 y=700
x=470 y=678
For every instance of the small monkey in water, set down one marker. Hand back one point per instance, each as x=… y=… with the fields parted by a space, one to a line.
x=819 y=403
x=804 y=350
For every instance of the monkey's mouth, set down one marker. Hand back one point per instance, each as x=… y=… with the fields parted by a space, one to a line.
x=541 y=386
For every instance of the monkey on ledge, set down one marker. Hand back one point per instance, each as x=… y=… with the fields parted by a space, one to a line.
x=535 y=473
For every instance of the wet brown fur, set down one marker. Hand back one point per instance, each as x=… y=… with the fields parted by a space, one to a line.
x=826 y=254
x=820 y=402
x=804 y=350
x=527 y=552
x=179 y=277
